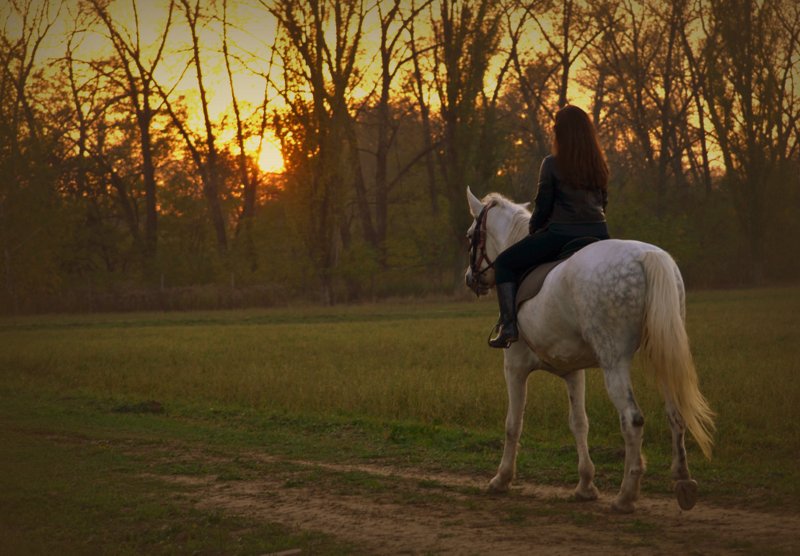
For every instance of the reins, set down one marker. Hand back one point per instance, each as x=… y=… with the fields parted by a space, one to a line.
x=477 y=253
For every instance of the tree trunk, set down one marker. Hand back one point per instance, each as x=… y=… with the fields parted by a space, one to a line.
x=149 y=179
x=211 y=181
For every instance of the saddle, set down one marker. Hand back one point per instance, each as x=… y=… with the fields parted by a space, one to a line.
x=532 y=281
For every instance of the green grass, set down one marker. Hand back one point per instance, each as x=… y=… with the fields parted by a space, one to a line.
x=364 y=364
x=423 y=363
x=410 y=385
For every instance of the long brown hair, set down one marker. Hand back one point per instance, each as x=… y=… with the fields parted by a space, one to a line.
x=579 y=157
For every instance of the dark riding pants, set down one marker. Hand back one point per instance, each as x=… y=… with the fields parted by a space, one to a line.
x=512 y=264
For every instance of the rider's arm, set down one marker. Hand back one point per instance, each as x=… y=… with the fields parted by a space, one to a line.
x=545 y=196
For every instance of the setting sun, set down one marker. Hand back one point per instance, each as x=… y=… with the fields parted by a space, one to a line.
x=270 y=159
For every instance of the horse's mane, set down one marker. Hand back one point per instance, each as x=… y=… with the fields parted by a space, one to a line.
x=520 y=216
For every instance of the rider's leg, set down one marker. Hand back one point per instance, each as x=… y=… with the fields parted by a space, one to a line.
x=528 y=252
x=509 y=267
x=507 y=299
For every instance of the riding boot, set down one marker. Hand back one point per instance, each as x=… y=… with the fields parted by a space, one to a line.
x=508 y=334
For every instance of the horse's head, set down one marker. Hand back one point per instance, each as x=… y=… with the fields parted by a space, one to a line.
x=496 y=225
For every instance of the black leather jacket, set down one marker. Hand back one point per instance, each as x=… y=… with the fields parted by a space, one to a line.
x=560 y=203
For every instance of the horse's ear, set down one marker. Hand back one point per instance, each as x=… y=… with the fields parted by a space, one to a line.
x=526 y=206
x=475 y=205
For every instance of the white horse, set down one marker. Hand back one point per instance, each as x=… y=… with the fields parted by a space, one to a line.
x=597 y=309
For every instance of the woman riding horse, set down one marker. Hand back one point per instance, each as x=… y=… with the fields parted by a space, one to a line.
x=570 y=203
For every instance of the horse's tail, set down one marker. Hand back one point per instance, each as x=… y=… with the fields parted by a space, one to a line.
x=666 y=346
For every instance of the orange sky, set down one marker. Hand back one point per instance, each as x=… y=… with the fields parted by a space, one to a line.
x=251 y=37
x=252 y=34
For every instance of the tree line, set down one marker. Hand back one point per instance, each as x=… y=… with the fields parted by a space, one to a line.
x=118 y=189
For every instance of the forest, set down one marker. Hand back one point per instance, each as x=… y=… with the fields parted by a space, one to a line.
x=181 y=154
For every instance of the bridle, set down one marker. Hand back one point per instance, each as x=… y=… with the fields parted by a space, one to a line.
x=477 y=253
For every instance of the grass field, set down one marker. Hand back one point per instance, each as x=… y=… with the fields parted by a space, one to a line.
x=407 y=384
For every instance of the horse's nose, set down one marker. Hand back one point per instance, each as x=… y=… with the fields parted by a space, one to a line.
x=468 y=278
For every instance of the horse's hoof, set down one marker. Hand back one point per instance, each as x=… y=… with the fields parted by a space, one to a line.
x=686 y=493
x=622 y=507
x=497 y=486
x=587 y=494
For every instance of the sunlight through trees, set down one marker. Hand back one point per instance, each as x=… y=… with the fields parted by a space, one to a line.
x=275 y=150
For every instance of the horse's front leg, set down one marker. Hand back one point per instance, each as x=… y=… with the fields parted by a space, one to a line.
x=579 y=425
x=518 y=363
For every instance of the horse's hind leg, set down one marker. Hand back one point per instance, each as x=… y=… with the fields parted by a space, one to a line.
x=579 y=425
x=685 y=487
x=518 y=363
x=631 y=421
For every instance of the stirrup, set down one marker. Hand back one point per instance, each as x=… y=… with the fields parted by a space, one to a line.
x=496 y=333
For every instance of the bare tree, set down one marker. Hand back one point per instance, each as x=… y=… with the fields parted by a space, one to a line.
x=532 y=90
x=696 y=70
x=94 y=97
x=419 y=89
x=139 y=87
x=394 y=23
x=641 y=66
x=568 y=32
x=467 y=38
x=28 y=155
x=751 y=88
x=317 y=129
x=208 y=165
x=247 y=174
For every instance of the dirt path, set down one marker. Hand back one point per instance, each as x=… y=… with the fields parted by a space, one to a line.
x=383 y=510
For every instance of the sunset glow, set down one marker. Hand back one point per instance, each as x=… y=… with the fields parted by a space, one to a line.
x=270 y=160
x=171 y=141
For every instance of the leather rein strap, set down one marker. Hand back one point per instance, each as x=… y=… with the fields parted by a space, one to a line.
x=477 y=254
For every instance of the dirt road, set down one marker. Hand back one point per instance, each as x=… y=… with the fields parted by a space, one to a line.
x=383 y=510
